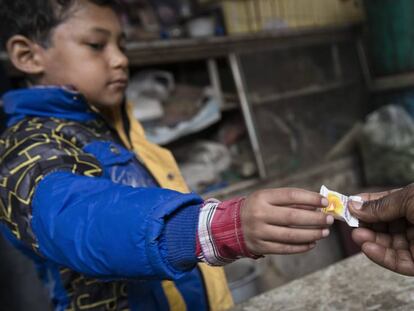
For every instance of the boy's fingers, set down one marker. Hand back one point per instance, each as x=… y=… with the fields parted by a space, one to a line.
x=289 y=196
x=292 y=235
x=304 y=207
x=297 y=217
x=268 y=248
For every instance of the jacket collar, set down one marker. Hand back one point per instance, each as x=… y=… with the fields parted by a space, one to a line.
x=50 y=101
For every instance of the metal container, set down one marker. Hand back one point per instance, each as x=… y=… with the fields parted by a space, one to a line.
x=243 y=276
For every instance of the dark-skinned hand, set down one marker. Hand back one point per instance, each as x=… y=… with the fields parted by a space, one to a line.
x=386 y=235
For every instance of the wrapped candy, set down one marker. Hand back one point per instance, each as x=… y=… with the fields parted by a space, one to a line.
x=338 y=206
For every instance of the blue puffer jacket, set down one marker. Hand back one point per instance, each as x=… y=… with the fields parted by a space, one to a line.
x=103 y=233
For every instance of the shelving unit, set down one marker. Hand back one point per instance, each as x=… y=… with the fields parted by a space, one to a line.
x=230 y=48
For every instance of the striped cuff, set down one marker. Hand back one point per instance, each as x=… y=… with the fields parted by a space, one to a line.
x=220 y=238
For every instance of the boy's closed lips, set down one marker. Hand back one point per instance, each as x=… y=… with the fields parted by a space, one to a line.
x=118 y=84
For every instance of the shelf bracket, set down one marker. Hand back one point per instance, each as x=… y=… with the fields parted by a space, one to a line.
x=247 y=111
x=214 y=77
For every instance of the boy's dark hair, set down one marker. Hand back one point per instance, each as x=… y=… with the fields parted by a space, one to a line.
x=36 y=19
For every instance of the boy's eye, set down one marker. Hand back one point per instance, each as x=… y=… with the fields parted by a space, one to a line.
x=96 y=46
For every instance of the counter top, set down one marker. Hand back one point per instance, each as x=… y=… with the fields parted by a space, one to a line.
x=353 y=284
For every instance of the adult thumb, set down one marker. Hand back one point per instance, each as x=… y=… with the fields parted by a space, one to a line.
x=385 y=209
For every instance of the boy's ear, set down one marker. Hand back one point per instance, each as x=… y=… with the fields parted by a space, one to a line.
x=25 y=55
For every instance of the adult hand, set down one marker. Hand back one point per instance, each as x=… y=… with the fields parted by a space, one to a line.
x=283 y=221
x=388 y=234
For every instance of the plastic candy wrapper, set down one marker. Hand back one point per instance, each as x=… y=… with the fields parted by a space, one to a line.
x=338 y=206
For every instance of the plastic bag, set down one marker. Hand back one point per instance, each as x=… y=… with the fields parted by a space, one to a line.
x=147 y=91
x=387 y=145
x=202 y=163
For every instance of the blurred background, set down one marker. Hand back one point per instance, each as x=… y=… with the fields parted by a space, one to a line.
x=252 y=94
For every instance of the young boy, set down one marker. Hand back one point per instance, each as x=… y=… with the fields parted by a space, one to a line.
x=105 y=214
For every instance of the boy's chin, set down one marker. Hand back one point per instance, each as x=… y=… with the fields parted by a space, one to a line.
x=108 y=103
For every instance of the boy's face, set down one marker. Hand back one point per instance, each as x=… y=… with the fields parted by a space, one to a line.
x=87 y=52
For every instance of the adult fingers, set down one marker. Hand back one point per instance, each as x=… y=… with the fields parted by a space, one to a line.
x=388 y=208
x=377 y=227
x=363 y=235
x=380 y=227
x=376 y=195
x=405 y=263
x=304 y=207
x=399 y=261
x=410 y=233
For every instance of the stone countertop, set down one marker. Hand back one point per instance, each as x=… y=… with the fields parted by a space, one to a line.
x=352 y=284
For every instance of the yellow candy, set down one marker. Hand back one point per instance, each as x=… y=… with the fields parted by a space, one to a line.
x=338 y=206
x=335 y=205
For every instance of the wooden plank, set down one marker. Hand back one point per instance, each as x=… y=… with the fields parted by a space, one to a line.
x=393 y=82
x=183 y=50
x=195 y=49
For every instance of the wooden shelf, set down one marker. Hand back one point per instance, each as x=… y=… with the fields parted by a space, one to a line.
x=393 y=82
x=183 y=50
x=167 y=51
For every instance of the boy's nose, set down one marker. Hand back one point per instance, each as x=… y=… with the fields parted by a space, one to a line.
x=119 y=60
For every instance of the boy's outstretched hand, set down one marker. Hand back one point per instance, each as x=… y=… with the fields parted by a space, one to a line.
x=388 y=234
x=284 y=221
